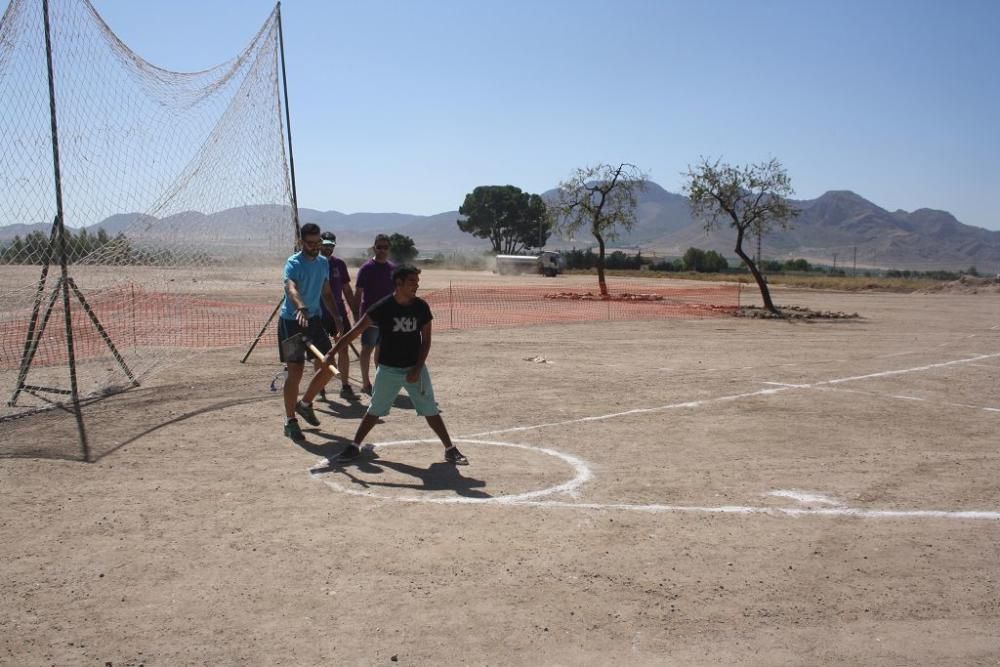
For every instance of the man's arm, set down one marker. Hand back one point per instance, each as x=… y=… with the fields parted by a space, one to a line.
x=327 y=294
x=292 y=293
x=349 y=299
x=413 y=374
x=347 y=338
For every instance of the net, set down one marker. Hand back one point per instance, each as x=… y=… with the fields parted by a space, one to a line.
x=468 y=307
x=175 y=188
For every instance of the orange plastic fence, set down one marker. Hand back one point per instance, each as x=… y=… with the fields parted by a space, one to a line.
x=135 y=319
x=466 y=307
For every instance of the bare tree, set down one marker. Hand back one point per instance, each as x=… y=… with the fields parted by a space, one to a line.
x=603 y=199
x=753 y=198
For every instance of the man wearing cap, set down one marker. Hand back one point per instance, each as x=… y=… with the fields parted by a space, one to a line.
x=337 y=324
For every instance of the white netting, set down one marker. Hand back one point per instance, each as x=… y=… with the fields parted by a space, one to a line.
x=173 y=186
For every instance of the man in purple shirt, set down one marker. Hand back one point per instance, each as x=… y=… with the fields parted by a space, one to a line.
x=374 y=283
x=337 y=324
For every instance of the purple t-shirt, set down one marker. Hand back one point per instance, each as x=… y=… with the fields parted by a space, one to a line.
x=375 y=281
x=339 y=277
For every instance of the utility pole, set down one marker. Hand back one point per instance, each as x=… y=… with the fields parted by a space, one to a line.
x=855 y=271
x=835 y=262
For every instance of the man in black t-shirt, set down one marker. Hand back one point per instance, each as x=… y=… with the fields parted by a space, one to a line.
x=404 y=323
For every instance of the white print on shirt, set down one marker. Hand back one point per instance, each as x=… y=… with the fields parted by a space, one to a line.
x=404 y=324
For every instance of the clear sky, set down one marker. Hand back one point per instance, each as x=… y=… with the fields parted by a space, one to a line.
x=408 y=105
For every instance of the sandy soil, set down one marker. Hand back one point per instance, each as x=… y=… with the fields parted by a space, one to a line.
x=715 y=491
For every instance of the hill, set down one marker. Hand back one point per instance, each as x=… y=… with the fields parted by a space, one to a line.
x=839 y=226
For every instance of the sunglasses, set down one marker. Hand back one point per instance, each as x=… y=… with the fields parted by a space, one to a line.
x=381 y=247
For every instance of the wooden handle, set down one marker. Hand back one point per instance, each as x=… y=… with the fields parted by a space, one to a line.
x=320 y=355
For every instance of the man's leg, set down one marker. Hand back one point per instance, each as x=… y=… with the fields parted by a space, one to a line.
x=290 y=393
x=451 y=453
x=344 y=366
x=437 y=425
x=366 y=360
x=291 y=390
x=367 y=423
x=318 y=382
x=344 y=359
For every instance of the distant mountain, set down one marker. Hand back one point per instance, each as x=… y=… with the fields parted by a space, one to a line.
x=839 y=223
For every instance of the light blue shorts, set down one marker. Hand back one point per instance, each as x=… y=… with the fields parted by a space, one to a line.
x=390 y=379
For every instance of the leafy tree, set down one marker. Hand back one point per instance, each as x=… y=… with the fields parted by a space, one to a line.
x=696 y=259
x=402 y=249
x=753 y=198
x=603 y=199
x=715 y=263
x=512 y=220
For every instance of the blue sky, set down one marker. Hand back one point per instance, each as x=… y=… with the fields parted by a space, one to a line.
x=406 y=106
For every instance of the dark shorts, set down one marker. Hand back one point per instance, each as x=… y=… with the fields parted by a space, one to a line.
x=330 y=324
x=370 y=337
x=314 y=332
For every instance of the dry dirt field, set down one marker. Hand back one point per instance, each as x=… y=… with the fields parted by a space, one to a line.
x=684 y=492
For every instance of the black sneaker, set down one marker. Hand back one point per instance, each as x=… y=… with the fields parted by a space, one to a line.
x=348 y=393
x=322 y=395
x=293 y=431
x=452 y=455
x=350 y=453
x=306 y=412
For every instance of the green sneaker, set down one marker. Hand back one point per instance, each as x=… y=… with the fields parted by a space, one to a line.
x=293 y=431
x=306 y=412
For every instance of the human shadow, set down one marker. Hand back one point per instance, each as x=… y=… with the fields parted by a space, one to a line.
x=438 y=476
x=329 y=447
x=341 y=409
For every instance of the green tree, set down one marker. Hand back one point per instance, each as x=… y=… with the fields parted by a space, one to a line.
x=694 y=259
x=512 y=220
x=402 y=249
x=715 y=263
x=601 y=198
x=753 y=198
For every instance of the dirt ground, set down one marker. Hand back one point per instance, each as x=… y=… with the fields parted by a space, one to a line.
x=691 y=492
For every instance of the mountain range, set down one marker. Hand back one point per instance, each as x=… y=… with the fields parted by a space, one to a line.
x=838 y=227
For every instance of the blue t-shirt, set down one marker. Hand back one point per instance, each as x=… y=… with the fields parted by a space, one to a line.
x=309 y=276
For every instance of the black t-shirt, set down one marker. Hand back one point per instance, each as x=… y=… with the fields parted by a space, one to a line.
x=399 y=330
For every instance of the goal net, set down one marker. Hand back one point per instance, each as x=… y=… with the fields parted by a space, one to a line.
x=174 y=189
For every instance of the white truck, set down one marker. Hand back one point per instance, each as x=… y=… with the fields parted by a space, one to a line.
x=547 y=263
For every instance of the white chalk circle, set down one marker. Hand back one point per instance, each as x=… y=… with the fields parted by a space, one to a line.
x=580 y=468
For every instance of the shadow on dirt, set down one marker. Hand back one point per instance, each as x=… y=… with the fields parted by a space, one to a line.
x=438 y=476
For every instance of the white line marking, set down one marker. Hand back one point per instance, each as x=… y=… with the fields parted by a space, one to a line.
x=734 y=397
x=915 y=369
x=949 y=404
x=580 y=467
x=805 y=497
x=583 y=474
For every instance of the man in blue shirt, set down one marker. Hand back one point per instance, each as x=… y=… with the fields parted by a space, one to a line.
x=307 y=283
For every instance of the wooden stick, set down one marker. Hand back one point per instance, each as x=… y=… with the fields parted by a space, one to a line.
x=320 y=356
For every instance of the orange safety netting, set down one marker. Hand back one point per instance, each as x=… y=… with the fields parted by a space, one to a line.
x=134 y=319
x=465 y=307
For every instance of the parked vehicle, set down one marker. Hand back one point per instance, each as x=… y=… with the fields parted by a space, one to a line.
x=546 y=263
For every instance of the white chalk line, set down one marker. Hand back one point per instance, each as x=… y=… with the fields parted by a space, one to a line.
x=581 y=469
x=780 y=387
x=584 y=474
x=902 y=397
x=833 y=508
